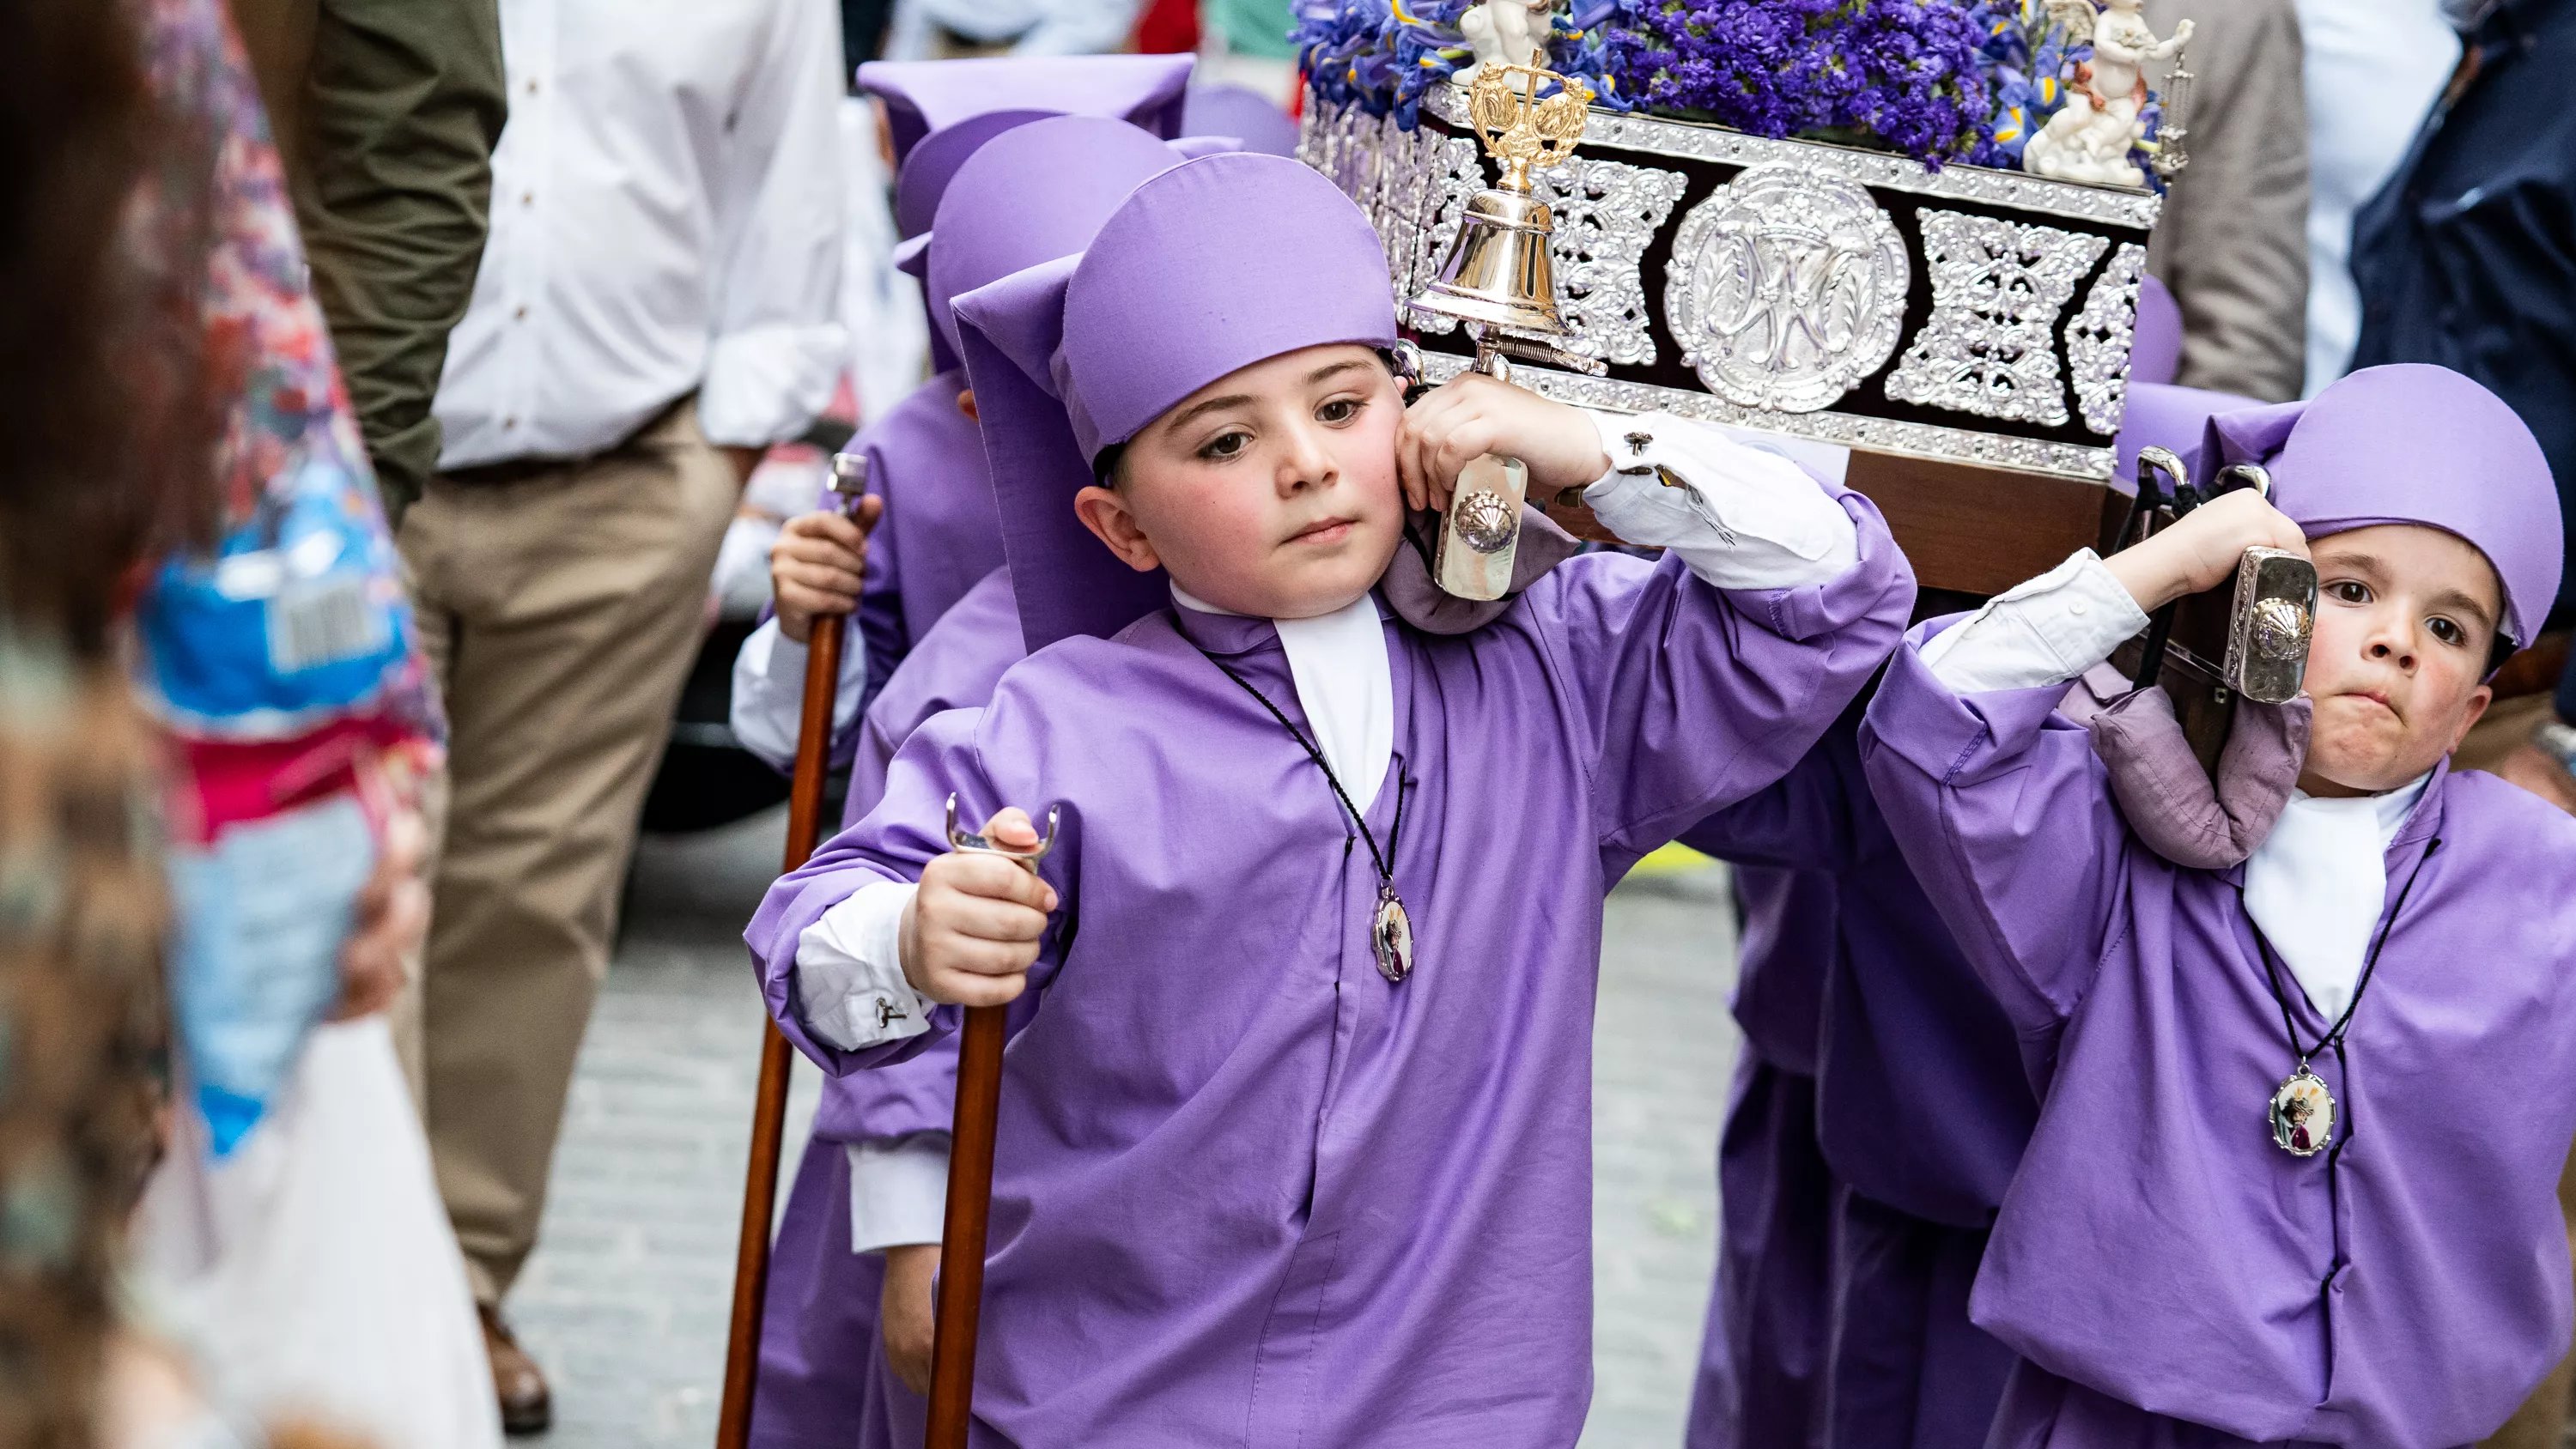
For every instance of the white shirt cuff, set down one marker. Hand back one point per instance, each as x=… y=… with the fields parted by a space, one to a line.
x=2041 y=631
x=849 y=972
x=1741 y=516
x=898 y=1192
x=768 y=705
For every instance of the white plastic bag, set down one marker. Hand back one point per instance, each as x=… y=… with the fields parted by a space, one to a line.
x=313 y=1269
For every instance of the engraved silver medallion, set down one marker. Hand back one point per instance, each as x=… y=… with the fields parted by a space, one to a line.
x=2303 y=1114
x=1391 y=936
x=1787 y=287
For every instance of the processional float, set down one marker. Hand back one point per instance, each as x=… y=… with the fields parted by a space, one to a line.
x=1959 y=338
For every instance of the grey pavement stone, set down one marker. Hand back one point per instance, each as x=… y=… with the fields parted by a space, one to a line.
x=625 y=1301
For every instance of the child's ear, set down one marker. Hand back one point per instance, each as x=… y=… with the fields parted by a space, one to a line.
x=1114 y=523
x=2479 y=699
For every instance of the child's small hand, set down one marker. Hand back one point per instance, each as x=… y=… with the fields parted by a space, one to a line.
x=972 y=930
x=1472 y=415
x=907 y=1314
x=819 y=564
x=392 y=920
x=2200 y=551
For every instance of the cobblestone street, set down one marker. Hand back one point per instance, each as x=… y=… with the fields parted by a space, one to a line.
x=625 y=1300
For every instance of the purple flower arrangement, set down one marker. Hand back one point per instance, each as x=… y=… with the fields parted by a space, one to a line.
x=1939 y=80
x=1383 y=54
x=1904 y=73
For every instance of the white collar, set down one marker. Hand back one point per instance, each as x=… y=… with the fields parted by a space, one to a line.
x=2316 y=885
x=1344 y=684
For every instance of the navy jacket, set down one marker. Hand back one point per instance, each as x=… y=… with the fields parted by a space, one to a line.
x=2467 y=257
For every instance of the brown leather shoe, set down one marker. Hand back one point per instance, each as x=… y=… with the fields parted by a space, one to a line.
x=526 y=1406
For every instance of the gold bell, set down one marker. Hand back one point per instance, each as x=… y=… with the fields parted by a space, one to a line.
x=1500 y=281
x=1499 y=272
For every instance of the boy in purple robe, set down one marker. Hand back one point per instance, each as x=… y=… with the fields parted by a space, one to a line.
x=846 y=1328
x=1264 y=1175
x=1881 y=1109
x=2175 y=1263
x=939 y=533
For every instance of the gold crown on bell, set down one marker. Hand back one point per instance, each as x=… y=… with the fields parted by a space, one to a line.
x=1498 y=272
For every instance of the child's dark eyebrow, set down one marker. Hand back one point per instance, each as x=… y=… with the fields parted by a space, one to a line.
x=1331 y=368
x=1182 y=418
x=2453 y=599
x=2360 y=563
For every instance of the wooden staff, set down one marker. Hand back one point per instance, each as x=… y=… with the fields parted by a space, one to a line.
x=769 y=1108
x=970 y=1186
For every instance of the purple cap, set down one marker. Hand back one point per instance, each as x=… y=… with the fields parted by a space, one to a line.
x=2156 y=354
x=2411 y=443
x=2163 y=416
x=923 y=96
x=1208 y=268
x=1034 y=195
x=1245 y=114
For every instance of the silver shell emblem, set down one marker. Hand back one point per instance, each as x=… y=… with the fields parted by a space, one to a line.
x=1484 y=520
x=2280 y=629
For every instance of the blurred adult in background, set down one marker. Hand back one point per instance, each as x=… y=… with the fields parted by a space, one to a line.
x=2373 y=68
x=658 y=302
x=2467 y=258
x=941 y=29
x=2232 y=244
x=385 y=113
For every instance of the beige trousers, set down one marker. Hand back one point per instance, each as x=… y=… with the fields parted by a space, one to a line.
x=561 y=610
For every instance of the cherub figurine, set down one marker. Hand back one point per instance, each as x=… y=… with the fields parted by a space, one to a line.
x=2090 y=138
x=1505 y=32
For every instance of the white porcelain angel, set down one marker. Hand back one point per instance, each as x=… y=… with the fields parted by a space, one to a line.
x=1505 y=32
x=2090 y=138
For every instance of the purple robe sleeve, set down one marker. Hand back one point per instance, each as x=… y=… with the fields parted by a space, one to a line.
x=2005 y=813
x=894 y=843
x=1802 y=821
x=1693 y=697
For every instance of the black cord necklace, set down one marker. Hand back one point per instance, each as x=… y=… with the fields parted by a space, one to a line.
x=2303 y=1110
x=1391 y=928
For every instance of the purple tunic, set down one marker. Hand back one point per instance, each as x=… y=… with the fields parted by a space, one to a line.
x=941 y=531
x=2156 y=1248
x=1919 y=1108
x=1246 y=1190
x=1762 y=1355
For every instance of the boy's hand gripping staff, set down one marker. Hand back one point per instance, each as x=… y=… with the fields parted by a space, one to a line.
x=1500 y=281
x=769 y=1109
x=970 y=1181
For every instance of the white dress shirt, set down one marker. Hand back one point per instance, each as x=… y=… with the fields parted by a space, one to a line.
x=667 y=217
x=2372 y=69
x=1761 y=522
x=2316 y=884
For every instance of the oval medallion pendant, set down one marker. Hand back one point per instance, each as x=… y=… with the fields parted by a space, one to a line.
x=2303 y=1114
x=1391 y=936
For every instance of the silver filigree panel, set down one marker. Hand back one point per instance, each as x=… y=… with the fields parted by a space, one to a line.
x=2099 y=340
x=2020 y=190
x=1787 y=287
x=1607 y=213
x=1428 y=180
x=1881 y=435
x=1990 y=347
